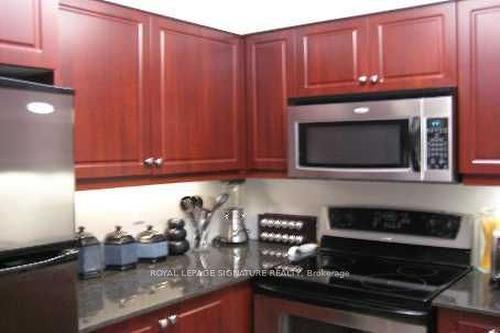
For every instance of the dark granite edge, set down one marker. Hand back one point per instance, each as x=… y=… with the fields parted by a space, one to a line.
x=169 y=302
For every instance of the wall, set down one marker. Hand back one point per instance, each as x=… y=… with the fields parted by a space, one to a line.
x=100 y=210
x=308 y=196
x=244 y=17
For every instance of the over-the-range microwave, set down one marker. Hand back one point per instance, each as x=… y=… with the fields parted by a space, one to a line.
x=410 y=139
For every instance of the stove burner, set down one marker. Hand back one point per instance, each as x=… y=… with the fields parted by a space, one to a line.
x=417 y=271
x=391 y=282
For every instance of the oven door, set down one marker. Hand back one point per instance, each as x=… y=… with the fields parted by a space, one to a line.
x=375 y=140
x=276 y=315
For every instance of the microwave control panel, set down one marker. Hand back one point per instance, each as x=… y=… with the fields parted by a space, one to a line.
x=437 y=144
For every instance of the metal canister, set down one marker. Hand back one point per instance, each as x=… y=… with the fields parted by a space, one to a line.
x=120 y=250
x=90 y=256
x=152 y=246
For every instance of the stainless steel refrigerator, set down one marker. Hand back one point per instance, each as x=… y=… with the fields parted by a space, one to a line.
x=37 y=262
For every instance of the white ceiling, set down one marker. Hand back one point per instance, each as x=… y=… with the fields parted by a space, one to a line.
x=243 y=17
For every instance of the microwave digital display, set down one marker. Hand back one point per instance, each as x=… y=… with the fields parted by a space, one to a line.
x=355 y=144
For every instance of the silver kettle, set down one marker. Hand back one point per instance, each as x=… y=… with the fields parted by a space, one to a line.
x=233 y=226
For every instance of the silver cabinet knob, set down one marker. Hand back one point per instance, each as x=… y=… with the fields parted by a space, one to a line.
x=158 y=162
x=362 y=79
x=172 y=319
x=374 y=79
x=149 y=161
x=163 y=323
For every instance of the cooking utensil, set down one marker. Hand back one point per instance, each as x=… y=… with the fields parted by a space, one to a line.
x=188 y=207
x=219 y=201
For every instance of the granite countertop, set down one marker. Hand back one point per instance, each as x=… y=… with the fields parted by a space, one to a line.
x=117 y=296
x=472 y=293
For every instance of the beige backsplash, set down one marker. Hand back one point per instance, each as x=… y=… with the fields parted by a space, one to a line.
x=100 y=210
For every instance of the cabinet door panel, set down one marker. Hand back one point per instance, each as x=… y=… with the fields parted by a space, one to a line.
x=479 y=51
x=415 y=48
x=197 y=110
x=268 y=68
x=28 y=33
x=331 y=57
x=206 y=318
x=104 y=59
x=451 y=321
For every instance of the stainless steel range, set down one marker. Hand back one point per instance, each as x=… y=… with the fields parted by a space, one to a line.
x=377 y=271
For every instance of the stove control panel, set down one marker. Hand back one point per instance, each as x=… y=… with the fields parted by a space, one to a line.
x=287 y=229
x=415 y=223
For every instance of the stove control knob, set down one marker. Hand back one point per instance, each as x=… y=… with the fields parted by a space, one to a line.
x=263 y=222
x=264 y=236
x=278 y=238
x=275 y=223
x=265 y=252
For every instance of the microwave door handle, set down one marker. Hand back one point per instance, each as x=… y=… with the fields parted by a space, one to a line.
x=415 y=143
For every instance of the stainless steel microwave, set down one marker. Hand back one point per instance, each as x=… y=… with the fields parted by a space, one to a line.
x=409 y=139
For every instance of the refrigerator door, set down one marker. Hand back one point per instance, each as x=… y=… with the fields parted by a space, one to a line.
x=36 y=165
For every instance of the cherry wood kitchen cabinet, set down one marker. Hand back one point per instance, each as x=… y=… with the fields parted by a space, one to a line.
x=198 y=112
x=479 y=100
x=104 y=56
x=399 y=50
x=28 y=33
x=414 y=48
x=450 y=321
x=332 y=58
x=269 y=65
x=225 y=311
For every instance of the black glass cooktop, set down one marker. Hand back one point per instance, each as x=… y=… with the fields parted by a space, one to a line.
x=373 y=275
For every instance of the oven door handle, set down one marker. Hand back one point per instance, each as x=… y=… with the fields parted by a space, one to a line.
x=415 y=146
x=304 y=296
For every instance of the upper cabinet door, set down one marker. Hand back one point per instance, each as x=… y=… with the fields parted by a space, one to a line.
x=197 y=108
x=332 y=58
x=104 y=58
x=269 y=58
x=479 y=67
x=414 y=48
x=28 y=33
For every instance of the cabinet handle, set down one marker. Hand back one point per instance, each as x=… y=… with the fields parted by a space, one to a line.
x=149 y=161
x=374 y=79
x=172 y=319
x=163 y=323
x=362 y=79
x=158 y=162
